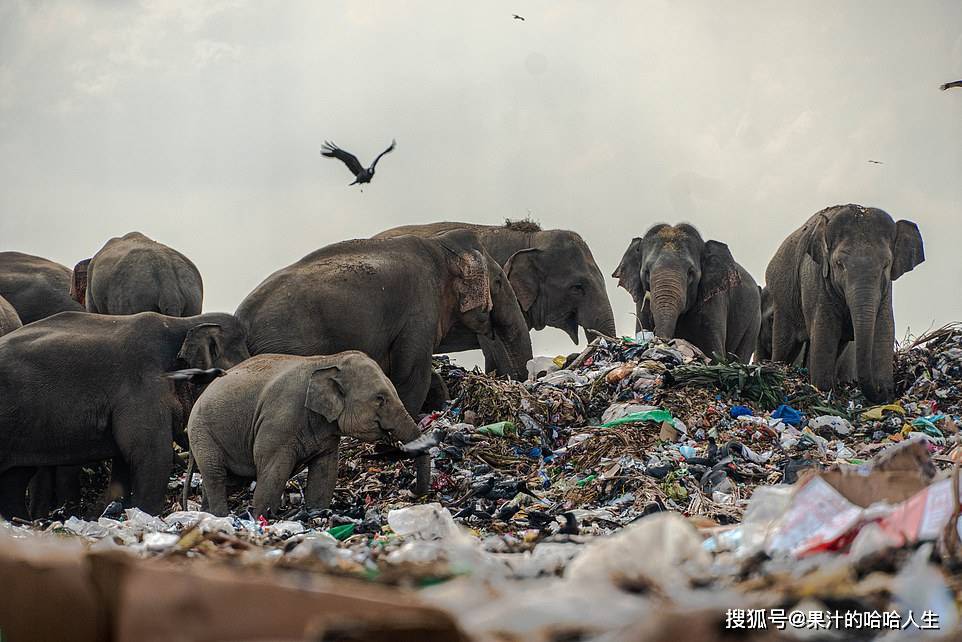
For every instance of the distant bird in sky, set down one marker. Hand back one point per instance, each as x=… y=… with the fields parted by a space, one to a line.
x=877 y=162
x=517 y=17
x=361 y=175
x=957 y=83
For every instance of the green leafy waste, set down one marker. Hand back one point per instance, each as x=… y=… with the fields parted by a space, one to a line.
x=762 y=383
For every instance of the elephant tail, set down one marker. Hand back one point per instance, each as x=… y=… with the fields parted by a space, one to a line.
x=187 y=477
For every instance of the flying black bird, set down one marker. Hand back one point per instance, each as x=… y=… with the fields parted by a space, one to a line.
x=877 y=162
x=517 y=17
x=957 y=83
x=361 y=175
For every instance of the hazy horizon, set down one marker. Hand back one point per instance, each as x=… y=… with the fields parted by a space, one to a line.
x=200 y=125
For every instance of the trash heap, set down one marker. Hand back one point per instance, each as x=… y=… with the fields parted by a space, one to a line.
x=637 y=487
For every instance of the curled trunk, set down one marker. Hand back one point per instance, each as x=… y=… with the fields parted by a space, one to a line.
x=596 y=315
x=510 y=355
x=407 y=432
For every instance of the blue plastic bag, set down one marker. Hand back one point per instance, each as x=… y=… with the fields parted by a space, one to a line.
x=738 y=411
x=788 y=415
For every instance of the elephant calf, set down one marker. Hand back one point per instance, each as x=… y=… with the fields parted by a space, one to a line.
x=273 y=414
x=691 y=289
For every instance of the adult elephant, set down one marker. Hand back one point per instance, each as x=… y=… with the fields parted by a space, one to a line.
x=691 y=289
x=844 y=368
x=552 y=272
x=133 y=273
x=9 y=320
x=507 y=320
x=77 y=388
x=36 y=287
x=393 y=299
x=831 y=282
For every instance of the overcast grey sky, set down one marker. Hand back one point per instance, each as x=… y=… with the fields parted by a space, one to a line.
x=200 y=123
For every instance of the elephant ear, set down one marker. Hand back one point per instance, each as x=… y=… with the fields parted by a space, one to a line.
x=719 y=272
x=524 y=273
x=78 y=282
x=628 y=271
x=202 y=346
x=907 y=251
x=325 y=394
x=818 y=244
x=474 y=290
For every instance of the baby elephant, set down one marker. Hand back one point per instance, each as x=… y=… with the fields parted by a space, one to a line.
x=273 y=414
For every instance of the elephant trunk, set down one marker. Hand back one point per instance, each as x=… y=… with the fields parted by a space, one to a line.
x=863 y=305
x=668 y=290
x=406 y=432
x=596 y=315
x=509 y=351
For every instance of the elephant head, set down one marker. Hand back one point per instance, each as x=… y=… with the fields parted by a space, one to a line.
x=859 y=251
x=470 y=285
x=676 y=271
x=558 y=284
x=213 y=341
x=352 y=392
x=78 y=282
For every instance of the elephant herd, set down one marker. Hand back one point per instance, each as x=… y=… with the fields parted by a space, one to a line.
x=115 y=359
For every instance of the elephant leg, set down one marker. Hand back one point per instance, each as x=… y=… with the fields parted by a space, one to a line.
x=845 y=370
x=67 y=485
x=212 y=466
x=144 y=440
x=321 y=480
x=411 y=374
x=746 y=346
x=40 y=491
x=272 y=477
x=438 y=394
x=13 y=491
x=119 y=486
x=214 y=487
x=785 y=347
x=823 y=350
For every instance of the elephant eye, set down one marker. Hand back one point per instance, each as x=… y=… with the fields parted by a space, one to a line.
x=380 y=400
x=577 y=288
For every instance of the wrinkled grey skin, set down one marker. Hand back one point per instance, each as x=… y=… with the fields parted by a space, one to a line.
x=273 y=414
x=831 y=282
x=78 y=388
x=393 y=299
x=552 y=272
x=691 y=289
x=133 y=274
x=844 y=368
x=35 y=287
x=38 y=288
x=9 y=320
x=511 y=351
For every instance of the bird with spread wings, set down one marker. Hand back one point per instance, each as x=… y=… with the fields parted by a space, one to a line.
x=956 y=83
x=361 y=175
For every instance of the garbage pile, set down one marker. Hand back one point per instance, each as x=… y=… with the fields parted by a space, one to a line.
x=638 y=485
